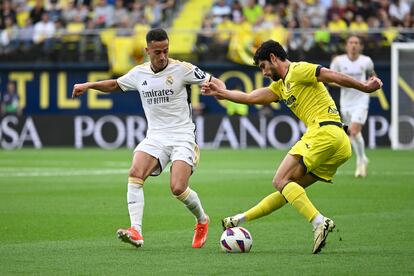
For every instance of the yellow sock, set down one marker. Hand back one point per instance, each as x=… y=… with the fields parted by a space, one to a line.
x=268 y=205
x=296 y=196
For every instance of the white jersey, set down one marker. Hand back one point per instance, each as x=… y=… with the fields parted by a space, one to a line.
x=359 y=69
x=165 y=95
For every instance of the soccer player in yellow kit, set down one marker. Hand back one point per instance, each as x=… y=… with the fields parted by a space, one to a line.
x=321 y=150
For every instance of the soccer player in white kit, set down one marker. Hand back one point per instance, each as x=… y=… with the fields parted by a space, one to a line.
x=164 y=88
x=353 y=104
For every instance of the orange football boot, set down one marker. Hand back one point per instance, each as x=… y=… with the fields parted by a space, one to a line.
x=200 y=234
x=131 y=236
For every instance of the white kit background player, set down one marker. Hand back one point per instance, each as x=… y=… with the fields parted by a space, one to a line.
x=354 y=104
x=164 y=88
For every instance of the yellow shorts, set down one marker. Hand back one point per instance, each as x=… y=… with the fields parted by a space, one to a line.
x=324 y=149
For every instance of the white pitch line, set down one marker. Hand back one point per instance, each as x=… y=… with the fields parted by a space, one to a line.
x=46 y=172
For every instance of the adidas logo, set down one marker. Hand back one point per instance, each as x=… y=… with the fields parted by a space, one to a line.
x=144 y=83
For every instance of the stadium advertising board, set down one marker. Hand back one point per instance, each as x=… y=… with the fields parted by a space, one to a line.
x=59 y=120
x=114 y=131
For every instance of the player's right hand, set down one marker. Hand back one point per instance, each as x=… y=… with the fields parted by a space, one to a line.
x=79 y=89
x=373 y=84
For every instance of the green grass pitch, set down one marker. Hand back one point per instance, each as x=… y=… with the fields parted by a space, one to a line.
x=60 y=208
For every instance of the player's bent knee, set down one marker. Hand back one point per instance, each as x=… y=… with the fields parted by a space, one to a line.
x=178 y=190
x=279 y=183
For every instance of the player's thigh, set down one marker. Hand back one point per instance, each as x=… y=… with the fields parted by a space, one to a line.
x=147 y=148
x=143 y=165
x=330 y=160
x=290 y=169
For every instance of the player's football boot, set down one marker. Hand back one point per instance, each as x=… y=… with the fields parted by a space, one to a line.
x=320 y=233
x=131 y=236
x=229 y=222
x=200 y=234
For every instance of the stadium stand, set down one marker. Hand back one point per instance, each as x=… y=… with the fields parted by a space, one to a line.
x=225 y=30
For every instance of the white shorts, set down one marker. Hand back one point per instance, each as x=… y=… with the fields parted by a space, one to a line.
x=354 y=115
x=166 y=150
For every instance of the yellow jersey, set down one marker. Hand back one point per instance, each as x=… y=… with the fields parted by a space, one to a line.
x=308 y=98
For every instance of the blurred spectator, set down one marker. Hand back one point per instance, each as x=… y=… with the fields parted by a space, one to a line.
x=338 y=29
x=72 y=13
x=268 y=17
x=398 y=9
x=9 y=36
x=389 y=32
x=236 y=11
x=316 y=13
x=7 y=11
x=279 y=33
x=301 y=40
x=120 y=13
x=335 y=8
x=219 y=10
x=323 y=39
x=205 y=38
x=22 y=14
x=252 y=12
x=359 y=25
x=26 y=35
x=137 y=14
x=11 y=103
x=55 y=10
x=37 y=11
x=90 y=45
x=103 y=14
x=350 y=10
x=224 y=31
x=154 y=13
x=43 y=33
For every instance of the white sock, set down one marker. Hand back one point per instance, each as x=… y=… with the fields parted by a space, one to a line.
x=193 y=204
x=358 y=144
x=135 y=197
x=317 y=220
x=240 y=217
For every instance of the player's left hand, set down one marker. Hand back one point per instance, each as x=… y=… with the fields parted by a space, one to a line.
x=373 y=84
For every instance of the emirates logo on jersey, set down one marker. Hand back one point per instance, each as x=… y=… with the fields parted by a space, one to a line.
x=169 y=81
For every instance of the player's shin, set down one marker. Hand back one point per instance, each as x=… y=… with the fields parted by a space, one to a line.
x=193 y=204
x=268 y=205
x=296 y=196
x=135 y=197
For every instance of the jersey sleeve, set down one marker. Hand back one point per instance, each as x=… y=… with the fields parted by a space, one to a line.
x=334 y=65
x=370 y=68
x=128 y=81
x=194 y=75
x=306 y=72
x=275 y=87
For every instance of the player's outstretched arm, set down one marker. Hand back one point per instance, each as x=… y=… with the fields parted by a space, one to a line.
x=258 y=96
x=106 y=86
x=369 y=86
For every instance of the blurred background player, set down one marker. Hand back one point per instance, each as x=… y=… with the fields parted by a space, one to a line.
x=321 y=150
x=163 y=85
x=353 y=104
x=11 y=103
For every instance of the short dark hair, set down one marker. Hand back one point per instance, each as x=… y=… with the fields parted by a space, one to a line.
x=157 y=34
x=267 y=48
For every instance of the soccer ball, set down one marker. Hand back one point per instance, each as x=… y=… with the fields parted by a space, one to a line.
x=236 y=240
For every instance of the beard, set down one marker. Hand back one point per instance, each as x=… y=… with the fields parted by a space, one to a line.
x=273 y=74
